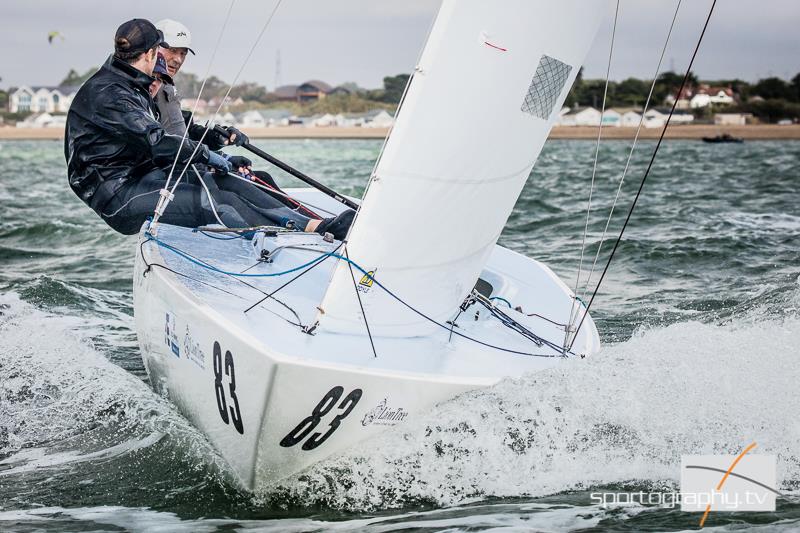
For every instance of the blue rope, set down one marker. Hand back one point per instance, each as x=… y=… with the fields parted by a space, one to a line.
x=203 y=264
x=367 y=275
x=502 y=300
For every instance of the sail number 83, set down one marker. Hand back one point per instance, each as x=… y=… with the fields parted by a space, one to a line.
x=325 y=405
x=219 y=390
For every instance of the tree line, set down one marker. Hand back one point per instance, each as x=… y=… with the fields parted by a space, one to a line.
x=778 y=98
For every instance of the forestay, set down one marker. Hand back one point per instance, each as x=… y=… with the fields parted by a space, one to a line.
x=489 y=84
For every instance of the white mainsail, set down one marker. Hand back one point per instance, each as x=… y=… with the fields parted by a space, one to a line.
x=490 y=82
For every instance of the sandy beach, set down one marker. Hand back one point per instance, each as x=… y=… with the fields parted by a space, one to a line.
x=752 y=132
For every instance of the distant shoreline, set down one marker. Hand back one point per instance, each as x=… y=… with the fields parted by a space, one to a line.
x=696 y=131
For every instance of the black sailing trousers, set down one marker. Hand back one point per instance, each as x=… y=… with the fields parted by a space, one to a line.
x=237 y=203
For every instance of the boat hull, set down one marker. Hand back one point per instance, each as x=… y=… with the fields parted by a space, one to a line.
x=207 y=367
x=274 y=400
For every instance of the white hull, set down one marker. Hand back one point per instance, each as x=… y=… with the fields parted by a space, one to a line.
x=274 y=400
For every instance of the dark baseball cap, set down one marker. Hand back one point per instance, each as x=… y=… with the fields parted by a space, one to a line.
x=137 y=35
x=161 y=69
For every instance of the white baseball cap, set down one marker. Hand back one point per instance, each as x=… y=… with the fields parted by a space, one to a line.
x=176 y=35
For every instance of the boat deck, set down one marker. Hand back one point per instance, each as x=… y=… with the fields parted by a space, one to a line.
x=202 y=263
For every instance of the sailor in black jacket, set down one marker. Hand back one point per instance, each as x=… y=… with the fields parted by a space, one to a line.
x=118 y=155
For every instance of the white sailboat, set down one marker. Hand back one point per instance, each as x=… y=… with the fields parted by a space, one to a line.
x=420 y=304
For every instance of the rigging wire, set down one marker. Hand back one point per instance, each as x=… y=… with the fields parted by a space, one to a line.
x=630 y=153
x=574 y=308
x=161 y=205
x=168 y=196
x=210 y=198
x=235 y=276
x=280 y=193
x=323 y=257
x=647 y=171
x=127 y=203
x=360 y=304
x=319 y=261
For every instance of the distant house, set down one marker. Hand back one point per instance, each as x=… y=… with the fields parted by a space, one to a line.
x=263 y=118
x=612 y=117
x=681 y=117
x=630 y=119
x=189 y=104
x=27 y=99
x=707 y=95
x=215 y=102
x=684 y=99
x=324 y=121
x=308 y=91
x=580 y=116
x=313 y=90
x=656 y=118
x=378 y=118
x=43 y=120
x=732 y=119
x=339 y=90
x=286 y=92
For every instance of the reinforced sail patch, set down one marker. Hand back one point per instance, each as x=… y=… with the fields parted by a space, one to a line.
x=546 y=85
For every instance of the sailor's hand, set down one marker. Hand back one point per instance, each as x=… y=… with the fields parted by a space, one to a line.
x=218 y=162
x=241 y=164
x=236 y=137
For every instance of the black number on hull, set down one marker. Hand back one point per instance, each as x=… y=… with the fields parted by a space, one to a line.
x=219 y=390
x=350 y=402
x=236 y=416
x=304 y=428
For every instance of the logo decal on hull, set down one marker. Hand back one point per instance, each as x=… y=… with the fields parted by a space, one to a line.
x=192 y=350
x=171 y=335
x=383 y=415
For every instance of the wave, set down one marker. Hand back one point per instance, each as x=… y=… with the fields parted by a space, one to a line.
x=624 y=416
x=63 y=402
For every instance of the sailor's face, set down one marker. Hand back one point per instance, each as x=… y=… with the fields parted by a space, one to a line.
x=155 y=87
x=174 y=58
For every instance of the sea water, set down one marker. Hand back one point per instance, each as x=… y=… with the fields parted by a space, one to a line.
x=698 y=314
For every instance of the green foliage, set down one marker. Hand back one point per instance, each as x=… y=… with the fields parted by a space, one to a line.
x=345 y=103
x=772 y=110
x=250 y=92
x=631 y=92
x=75 y=78
x=189 y=85
x=796 y=87
x=14 y=117
x=3 y=100
x=393 y=87
x=353 y=87
x=773 y=89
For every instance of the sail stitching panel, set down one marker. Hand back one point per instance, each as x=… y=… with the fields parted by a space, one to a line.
x=451 y=180
x=546 y=86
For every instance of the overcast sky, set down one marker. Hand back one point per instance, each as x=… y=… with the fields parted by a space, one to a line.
x=364 y=40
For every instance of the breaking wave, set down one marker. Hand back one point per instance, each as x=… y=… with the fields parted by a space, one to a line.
x=62 y=403
x=622 y=417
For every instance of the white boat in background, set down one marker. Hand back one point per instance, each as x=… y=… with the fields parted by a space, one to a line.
x=419 y=304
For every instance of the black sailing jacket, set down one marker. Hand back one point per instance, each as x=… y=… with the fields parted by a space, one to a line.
x=113 y=136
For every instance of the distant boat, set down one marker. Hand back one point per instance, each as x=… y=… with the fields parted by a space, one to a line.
x=724 y=138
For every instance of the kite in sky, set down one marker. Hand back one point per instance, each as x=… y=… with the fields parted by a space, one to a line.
x=52 y=35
